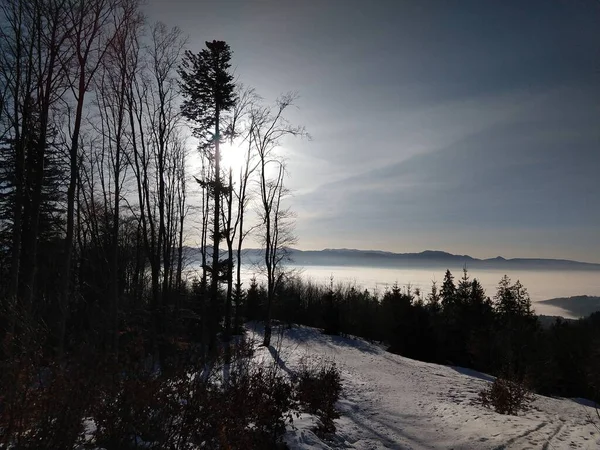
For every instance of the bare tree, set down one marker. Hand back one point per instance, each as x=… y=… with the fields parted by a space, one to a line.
x=278 y=236
x=236 y=196
x=269 y=128
x=117 y=71
x=90 y=39
x=229 y=231
x=206 y=173
x=243 y=197
x=158 y=160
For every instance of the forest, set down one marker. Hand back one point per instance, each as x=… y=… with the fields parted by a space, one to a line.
x=112 y=134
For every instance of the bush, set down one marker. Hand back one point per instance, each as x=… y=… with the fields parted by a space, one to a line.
x=236 y=406
x=41 y=407
x=318 y=388
x=42 y=402
x=134 y=404
x=506 y=396
x=258 y=404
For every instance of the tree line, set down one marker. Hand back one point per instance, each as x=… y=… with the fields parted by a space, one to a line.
x=455 y=323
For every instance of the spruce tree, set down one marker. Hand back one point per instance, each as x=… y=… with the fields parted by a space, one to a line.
x=518 y=326
x=448 y=292
x=463 y=291
x=434 y=299
x=477 y=293
x=208 y=90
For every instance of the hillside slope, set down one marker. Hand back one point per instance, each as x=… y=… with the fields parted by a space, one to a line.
x=392 y=402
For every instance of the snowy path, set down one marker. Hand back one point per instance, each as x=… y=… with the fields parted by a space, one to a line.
x=392 y=402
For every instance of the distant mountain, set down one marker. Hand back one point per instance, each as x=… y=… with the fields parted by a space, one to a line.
x=579 y=306
x=427 y=258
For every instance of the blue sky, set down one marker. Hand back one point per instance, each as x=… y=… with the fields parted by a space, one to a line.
x=466 y=126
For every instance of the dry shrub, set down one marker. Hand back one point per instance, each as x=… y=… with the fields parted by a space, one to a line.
x=254 y=407
x=42 y=403
x=506 y=396
x=136 y=403
x=238 y=405
x=318 y=388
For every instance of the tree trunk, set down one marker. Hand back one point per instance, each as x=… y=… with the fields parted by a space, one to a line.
x=114 y=313
x=214 y=287
x=68 y=245
x=227 y=335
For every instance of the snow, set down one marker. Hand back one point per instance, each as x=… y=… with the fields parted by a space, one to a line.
x=392 y=402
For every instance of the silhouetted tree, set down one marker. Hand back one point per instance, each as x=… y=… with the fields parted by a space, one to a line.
x=448 y=291
x=396 y=318
x=331 y=316
x=33 y=38
x=254 y=301
x=92 y=30
x=269 y=127
x=518 y=327
x=208 y=90
x=434 y=299
x=463 y=290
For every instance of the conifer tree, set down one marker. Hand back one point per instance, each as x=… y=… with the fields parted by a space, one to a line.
x=209 y=93
x=448 y=292
x=477 y=293
x=463 y=291
x=434 y=299
x=518 y=326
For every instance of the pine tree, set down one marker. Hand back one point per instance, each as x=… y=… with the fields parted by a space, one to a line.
x=253 y=301
x=209 y=93
x=477 y=294
x=434 y=299
x=518 y=326
x=463 y=292
x=448 y=292
x=331 y=316
x=522 y=299
x=239 y=301
x=397 y=318
x=512 y=300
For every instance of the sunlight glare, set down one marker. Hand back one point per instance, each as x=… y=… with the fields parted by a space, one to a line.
x=232 y=156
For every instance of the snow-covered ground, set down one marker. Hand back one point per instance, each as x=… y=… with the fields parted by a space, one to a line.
x=392 y=402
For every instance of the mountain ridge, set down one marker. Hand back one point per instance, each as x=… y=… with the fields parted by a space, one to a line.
x=426 y=258
x=437 y=253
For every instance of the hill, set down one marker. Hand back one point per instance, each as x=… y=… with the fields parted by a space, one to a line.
x=578 y=306
x=394 y=402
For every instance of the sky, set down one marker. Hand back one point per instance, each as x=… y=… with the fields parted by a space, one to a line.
x=467 y=126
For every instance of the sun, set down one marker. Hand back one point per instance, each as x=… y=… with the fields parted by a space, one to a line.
x=232 y=157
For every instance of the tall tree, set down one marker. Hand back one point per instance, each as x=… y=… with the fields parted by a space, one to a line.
x=237 y=198
x=209 y=93
x=243 y=195
x=269 y=128
x=117 y=71
x=33 y=43
x=90 y=39
x=157 y=161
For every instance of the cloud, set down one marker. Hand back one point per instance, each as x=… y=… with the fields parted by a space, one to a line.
x=433 y=126
x=519 y=171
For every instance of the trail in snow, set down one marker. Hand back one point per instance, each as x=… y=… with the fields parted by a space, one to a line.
x=392 y=402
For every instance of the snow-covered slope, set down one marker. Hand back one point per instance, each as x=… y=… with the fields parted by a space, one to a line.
x=394 y=402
